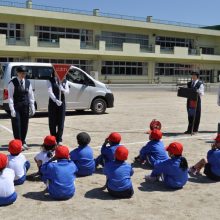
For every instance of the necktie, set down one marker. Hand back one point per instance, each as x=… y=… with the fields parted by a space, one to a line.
x=22 y=84
x=193 y=84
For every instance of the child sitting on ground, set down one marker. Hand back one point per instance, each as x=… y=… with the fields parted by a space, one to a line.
x=47 y=152
x=7 y=189
x=82 y=156
x=154 y=151
x=108 y=149
x=118 y=174
x=174 y=171
x=212 y=164
x=60 y=175
x=17 y=161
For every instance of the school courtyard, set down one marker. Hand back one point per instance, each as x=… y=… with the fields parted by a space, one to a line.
x=135 y=107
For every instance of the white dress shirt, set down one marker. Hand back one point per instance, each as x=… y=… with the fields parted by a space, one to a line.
x=65 y=89
x=11 y=89
x=201 y=88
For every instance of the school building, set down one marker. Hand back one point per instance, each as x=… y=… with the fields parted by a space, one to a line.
x=120 y=49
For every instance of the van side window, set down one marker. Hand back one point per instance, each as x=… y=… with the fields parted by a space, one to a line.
x=76 y=76
x=29 y=73
x=43 y=72
x=1 y=71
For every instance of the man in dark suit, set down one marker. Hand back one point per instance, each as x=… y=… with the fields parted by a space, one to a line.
x=194 y=107
x=21 y=104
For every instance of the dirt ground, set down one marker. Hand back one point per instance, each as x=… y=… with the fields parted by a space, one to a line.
x=134 y=109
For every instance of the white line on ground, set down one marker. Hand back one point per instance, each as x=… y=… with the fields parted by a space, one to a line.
x=7 y=129
x=209 y=136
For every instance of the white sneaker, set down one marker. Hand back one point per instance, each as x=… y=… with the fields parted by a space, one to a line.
x=25 y=147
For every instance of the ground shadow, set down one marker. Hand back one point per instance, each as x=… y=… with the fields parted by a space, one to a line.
x=99 y=171
x=206 y=132
x=200 y=179
x=4 y=116
x=33 y=177
x=68 y=113
x=4 y=147
x=39 y=196
x=142 y=166
x=98 y=193
x=45 y=114
x=169 y=134
x=154 y=186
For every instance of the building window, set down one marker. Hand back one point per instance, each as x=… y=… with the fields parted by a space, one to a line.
x=123 y=68
x=53 y=34
x=207 y=50
x=10 y=59
x=171 y=42
x=172 y=69
x=116 y=39
x=85 y=65
x=12 y=30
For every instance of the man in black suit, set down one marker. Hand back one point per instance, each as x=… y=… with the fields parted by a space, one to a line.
x=194 y=107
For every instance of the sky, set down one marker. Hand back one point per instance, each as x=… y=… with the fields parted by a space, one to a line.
x=202 y=12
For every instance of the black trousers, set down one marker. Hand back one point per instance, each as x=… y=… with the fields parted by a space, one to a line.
x=121 y=194
x=208 y=172
x=56 y=119
x=20 y=122
x=197 y=118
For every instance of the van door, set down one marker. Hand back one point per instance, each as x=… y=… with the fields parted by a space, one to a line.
x=41 y=74
x=82 y=90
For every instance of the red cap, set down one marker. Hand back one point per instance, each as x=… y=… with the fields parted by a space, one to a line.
x=156 y=134
x=217 y=139
x=155 y=124
x=121 y=153
x=15 y=146
x=175 y=148
x=62 y=152
x=50 y=140
x=3 y=161
x=114 y=137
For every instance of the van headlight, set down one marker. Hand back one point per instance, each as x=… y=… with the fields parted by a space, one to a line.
x=107 y=86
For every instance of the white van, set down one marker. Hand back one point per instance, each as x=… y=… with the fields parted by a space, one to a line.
x=85 y=92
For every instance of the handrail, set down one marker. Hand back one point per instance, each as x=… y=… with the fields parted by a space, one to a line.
x=101 y=14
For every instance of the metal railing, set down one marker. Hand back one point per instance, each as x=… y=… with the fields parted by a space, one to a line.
x=18 y=42
x=90 y=13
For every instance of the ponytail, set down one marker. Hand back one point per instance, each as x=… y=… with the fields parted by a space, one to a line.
x=183 y=163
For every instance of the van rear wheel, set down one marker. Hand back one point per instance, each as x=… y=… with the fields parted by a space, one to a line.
x=99 y=106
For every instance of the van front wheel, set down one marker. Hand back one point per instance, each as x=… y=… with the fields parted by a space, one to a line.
x=98 y=106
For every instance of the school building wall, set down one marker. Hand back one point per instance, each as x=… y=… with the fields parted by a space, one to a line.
x=30 y=49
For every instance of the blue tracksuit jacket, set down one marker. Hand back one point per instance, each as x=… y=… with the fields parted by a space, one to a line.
x=118 y=175
x=213 y=157
x=60 y=175
x=154 y=151
x=173 y=175
x=83 y=158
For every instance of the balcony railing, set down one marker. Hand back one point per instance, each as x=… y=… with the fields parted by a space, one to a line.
x=167 y=50
x=147 y=49
x=91 y=13
x=18 y=42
